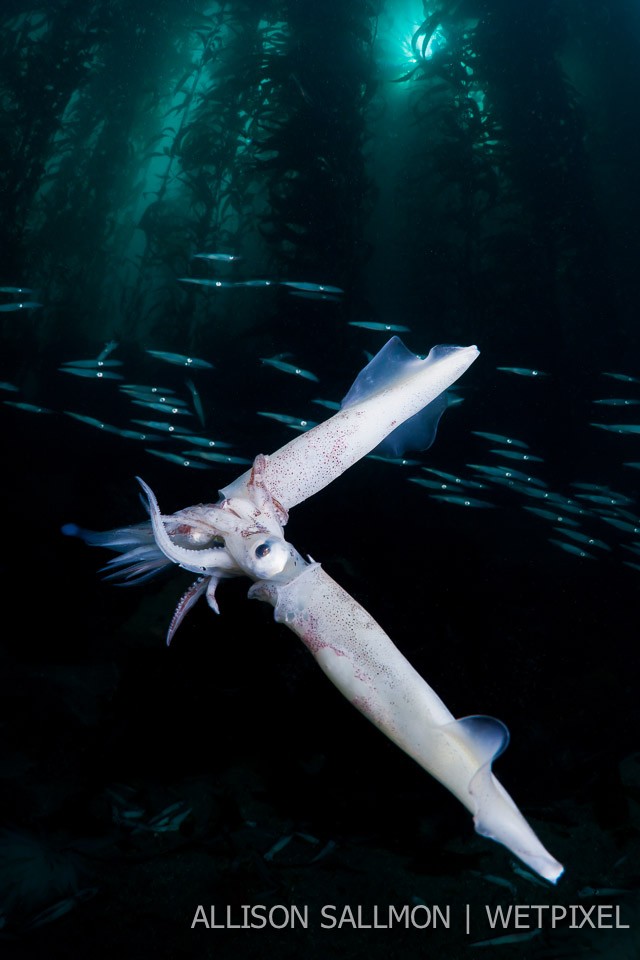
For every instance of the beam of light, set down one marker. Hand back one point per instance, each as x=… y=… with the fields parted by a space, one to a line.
x=425 y=47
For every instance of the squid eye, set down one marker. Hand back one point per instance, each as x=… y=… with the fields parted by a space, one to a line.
x=267 y=558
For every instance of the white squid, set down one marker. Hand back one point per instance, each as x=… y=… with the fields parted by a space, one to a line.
x=242 y=535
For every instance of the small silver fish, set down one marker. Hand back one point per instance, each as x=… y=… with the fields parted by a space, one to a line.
x=10 y=387
x=328 y=848
x=387 y=327
x=162 y=426
x=108 y=348
x=451 y=478
x=571 y=548
x=181 y=360
x=92 y=364
x=516 y=455
x=284 y=418
x=311 y=287
x=183 y=461
x=508 y=472
x=619 y=500
x=614 y=522
x=590 y=487
x=166 y=400
x=303 y=425
x=168 y=820
x=92 y=422
x=432 y=484
x=201 y=282
x=396 y=461
x=23 y=305
x=624 y=377
x=143 y=389
x=218 y=457
x=202 y=441
x=220 y=257
x=28 y=407
x=329 y=404
x=617 y=402
x=285 y=367
x=618 y=427
x=197 y=402
x=278 y=846
x=568 y=506
x=89 y=374
x=500 y=438
x=529 y=490
x=583 y=538
x=61 y=907
x=162 y=407
x=137 y=435
x=554 y=517
x=621 y=512
x=523 y=371
x=461 y=501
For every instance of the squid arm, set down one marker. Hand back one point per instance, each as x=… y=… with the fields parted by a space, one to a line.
x=242 y=534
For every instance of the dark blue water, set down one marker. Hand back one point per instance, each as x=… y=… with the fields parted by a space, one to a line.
x=466 y=172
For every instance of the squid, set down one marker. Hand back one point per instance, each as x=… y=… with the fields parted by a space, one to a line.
x=395 y=402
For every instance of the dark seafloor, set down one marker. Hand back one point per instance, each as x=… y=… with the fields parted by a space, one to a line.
x=467 y=170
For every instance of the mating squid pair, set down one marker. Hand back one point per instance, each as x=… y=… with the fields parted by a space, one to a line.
x=396 y=400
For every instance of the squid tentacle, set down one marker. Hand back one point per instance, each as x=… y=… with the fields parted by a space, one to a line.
x=196 y=561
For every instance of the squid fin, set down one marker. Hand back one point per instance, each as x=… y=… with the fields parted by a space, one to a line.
x=390 y=364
